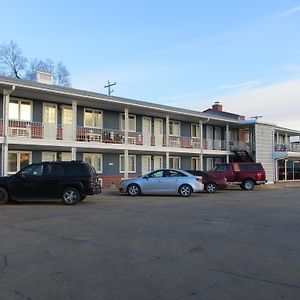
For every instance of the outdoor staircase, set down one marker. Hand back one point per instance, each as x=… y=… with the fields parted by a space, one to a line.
x=242 y=156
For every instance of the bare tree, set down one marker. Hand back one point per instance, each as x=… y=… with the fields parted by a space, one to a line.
x=62 y=75
x=12 y=60
x=46 y=65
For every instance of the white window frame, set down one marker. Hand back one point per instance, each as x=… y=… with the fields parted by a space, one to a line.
x=94 y=111
x=18 y=160
x=197 y=130
x=44 y=153
x=94 y=157
x=122 y=157
x=172 y=164
x=148 y=157
x=122 y=122
x=171 y=124
x=19 y=109
x=45 y=104
x=64 y=154
x=209 y=160
x=161 y=160
x=197 y=163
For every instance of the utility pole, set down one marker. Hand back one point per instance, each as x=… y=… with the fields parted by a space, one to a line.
x=109 y=84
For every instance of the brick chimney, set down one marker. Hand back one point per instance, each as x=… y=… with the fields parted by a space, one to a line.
x=217 y=106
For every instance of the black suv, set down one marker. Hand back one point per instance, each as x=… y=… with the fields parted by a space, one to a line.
x=71 y=181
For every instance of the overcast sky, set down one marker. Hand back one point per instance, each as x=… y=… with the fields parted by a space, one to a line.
x=245 y=54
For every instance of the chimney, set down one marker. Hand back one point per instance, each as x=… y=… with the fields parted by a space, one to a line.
x=217 y=106
x=44 y=77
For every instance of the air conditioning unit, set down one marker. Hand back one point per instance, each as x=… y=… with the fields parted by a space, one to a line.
x=20 y=132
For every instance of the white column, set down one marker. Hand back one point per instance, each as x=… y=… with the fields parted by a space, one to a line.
x=74 y=111
x=227 y=143
x=285 y=169
x=167 y=130
x=126 y=163
x=74 y=127
x=73 y=153
x=126 y=126
x=201 y=145
x=167 y=160
x=4 y=158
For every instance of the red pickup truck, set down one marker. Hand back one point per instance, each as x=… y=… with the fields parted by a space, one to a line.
x=245 y=174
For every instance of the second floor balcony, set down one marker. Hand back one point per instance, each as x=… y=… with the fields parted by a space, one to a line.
x=57 y=132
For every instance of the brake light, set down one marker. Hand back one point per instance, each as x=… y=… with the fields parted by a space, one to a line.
x=199 y=179
x=90 y=180
x=259 y=175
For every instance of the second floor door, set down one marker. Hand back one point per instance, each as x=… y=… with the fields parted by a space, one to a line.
x=50 y=121
x=67 y=123
x=146 y=131
x=158 y=132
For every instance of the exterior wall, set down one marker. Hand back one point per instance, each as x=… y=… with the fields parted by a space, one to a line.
x=264 y=146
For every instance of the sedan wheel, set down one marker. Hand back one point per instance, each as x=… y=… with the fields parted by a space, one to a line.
x=133 y=190
x=70 y=196
x=185 y=190
x=211 y=187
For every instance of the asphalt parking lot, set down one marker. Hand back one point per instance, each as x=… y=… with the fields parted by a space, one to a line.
x=228 y=245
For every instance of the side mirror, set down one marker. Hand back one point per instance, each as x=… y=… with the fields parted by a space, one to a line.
x=22 y=175
x=146 y=177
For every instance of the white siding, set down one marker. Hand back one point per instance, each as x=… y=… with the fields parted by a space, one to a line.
x=264 y=149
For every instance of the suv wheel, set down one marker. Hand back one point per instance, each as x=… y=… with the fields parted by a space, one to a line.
x=3 y=195
x=185 y=190
x=133 y=190
x=211 y=187
x=248 y=185
x=70 y=196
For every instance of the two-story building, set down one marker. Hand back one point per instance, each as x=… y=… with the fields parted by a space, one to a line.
x=123 y=137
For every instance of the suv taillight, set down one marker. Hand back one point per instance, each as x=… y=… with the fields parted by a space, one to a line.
x=90 y=180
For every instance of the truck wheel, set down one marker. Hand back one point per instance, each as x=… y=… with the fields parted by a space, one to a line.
x=211 y=187
x=248 y=185
x=3 y=196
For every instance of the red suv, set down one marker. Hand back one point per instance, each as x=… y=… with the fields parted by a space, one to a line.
x=244 y=174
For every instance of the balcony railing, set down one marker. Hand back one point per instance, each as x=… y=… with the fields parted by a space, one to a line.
x=285 y=147
x=54 y=132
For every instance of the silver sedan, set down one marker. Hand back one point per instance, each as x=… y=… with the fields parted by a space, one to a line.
x=163 y=181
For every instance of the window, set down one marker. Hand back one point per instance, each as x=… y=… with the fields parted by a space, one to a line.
x=49 y=156
x=33 y=170
x=131 y=122
x=66 y=156
x=195 y=163
x=172 y=173
x=174 y=162
x=17 y=160
x=50 y=113
x=156 y=174
x=158 y=162
x=94 y=159
x=174 y=128
x=195 y=131
x=19 y=110
x=92 y=118
x=131 y=163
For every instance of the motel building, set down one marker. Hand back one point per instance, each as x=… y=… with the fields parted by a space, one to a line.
x=124 y=138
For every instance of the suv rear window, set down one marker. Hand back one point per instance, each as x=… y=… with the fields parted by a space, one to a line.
x=250 y=167
x=80 y=169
